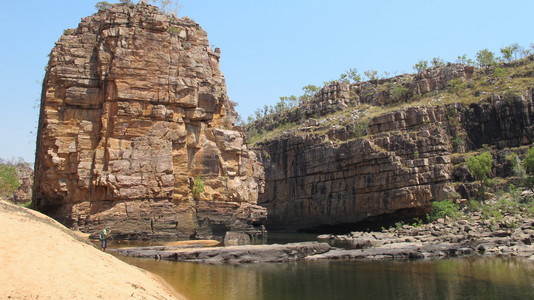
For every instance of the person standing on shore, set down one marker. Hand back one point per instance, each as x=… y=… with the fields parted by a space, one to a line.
x=104 y=238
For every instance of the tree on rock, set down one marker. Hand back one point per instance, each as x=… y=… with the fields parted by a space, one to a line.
x=102 y=5
x=168 y=6
x=420 y=66
x=485 y=58
x=528 y=163
x=480 y=167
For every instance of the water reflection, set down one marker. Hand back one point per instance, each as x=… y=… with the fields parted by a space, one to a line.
x=473 y=278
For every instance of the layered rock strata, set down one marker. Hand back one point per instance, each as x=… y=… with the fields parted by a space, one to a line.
x=391 y=165
x=136 y=131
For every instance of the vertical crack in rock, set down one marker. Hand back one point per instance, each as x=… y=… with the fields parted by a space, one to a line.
x=134 y=108
x=386 y=166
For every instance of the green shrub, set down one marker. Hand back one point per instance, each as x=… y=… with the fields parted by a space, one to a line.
x=474 y=205
x=528 y=164
x=418 y=222
x=398 y=92
x=442 y=209
x=174 y=30
x=480 y=167
x=360 y=129
x=499 y=72
x=457 y=85
x=485 y=58
x=198 y=187
x=492 y=213
x=9 y=182
x=420 y=66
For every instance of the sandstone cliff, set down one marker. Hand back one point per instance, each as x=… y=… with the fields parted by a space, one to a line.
x=133 y=110
x=363 y=152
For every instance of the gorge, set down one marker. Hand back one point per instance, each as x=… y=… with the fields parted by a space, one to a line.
x=361 y=153
x=137 y=132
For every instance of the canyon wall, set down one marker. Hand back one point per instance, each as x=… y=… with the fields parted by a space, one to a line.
x=134 y=119
x=353 y=166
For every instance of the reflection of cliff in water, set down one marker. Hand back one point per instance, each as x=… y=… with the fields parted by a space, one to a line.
x=472 y=278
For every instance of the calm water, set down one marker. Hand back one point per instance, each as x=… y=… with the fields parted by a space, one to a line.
x=471 y=278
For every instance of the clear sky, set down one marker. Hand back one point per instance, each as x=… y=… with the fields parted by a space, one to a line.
x=270 y=48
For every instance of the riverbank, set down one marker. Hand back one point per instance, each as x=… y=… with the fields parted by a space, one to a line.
x=500 y=227
x=496 y=228
x=41 y=259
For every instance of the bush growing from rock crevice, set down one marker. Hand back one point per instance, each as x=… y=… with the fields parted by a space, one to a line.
x=198 y=188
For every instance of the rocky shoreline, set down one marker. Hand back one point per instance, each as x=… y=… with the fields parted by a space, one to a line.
x=231 y=254
x=473 y=235
x=504 y=234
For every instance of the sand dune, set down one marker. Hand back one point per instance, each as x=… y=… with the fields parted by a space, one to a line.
x=41 y=259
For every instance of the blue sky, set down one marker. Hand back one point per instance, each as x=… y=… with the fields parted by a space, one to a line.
x=270 y=48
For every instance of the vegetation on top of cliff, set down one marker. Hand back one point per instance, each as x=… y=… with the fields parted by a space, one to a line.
x=509 y=75
x=170 y=7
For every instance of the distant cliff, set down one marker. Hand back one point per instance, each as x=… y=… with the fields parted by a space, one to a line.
x=365 y=151
x=136 y=132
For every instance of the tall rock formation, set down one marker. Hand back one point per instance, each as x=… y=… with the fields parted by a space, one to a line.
x=134 y=117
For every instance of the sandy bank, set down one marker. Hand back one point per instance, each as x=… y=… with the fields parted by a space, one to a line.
x=41 y=259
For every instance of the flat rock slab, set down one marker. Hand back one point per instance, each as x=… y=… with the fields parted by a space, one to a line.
x=232 y=254
x=396 y=251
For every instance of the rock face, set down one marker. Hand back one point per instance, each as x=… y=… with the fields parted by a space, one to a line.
x=134 y=114
x=391 y=165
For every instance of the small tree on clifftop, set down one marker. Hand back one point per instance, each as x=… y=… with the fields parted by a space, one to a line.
x=420 y=66
x=168 y=6
x=102 y=5
x=485 y=58
x=351 y=75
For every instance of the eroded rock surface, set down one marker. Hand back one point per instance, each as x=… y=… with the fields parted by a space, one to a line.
x=134 y=108
x=440 y=239
x=231 y=254
x=354 y=164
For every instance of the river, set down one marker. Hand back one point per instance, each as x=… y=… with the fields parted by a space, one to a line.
x=465 y=278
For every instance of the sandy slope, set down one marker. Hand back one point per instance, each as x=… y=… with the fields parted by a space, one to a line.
x=41 y=259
